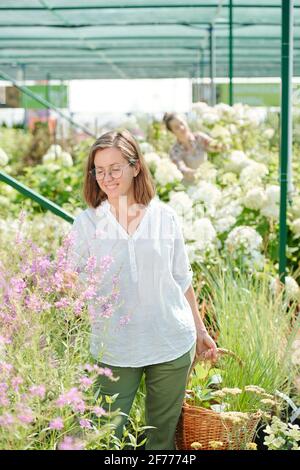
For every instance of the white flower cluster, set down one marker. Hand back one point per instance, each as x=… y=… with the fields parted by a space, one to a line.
x=167 y=172
x=245 y=243
x=57 y=156
x=152 y=160
x=282 y=436
x=292 y=289
x=3 y=158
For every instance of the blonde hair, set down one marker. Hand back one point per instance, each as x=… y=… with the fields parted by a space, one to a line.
x=143 y=186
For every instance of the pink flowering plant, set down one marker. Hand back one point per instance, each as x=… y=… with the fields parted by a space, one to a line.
x=48 y=383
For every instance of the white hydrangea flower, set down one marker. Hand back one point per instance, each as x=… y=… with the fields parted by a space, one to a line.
x=271 y=207
x=257 y=261
x=228 y=208
x=233 y=129
x=224 y=224
x=228 y=178
x=48 y=158
x=210 y=117
x=295 y=207
x=167 y=172
x=152 y=159
x=247 y=114
x=291 y=287
x=54 y=149
x=243 y=238
x=253 y=174
x=53 y=166
x=205 y=192
x=55 y=154
x=3 y=158
x=269 y=133
x=181 y=203
x=65 y=159
x=203 y=233
x=206 y=172
x=295 y=227
x=237 y=161
x=220 y=132
x=146 y=147
x=224 y=109
x=200 y=107
x=255 y=198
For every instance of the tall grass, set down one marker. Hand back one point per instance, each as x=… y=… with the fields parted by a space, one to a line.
x=257 y=325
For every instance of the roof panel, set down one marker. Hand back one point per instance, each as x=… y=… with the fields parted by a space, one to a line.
x=148 y=38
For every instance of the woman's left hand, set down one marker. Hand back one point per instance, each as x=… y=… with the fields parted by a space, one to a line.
x=206 y=348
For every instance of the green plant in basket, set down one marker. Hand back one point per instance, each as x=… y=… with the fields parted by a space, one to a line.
x=203 y=382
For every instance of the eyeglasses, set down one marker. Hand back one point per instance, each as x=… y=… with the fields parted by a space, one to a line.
x=115 y=172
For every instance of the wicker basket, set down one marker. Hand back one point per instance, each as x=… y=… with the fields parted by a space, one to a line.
x=201 y=425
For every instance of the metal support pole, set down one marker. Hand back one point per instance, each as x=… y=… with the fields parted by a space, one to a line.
x=286 y=124
x=212 y=64
x=48 y=78
x=202 y=64
x=230 y=52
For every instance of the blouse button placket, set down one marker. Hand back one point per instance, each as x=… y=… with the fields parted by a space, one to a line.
x=132 y=260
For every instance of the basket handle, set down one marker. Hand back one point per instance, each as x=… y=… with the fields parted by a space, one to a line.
x=221 y=352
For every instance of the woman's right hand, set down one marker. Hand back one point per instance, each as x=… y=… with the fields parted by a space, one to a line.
x=189 y=174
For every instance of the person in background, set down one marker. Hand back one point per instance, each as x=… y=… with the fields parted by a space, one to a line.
x=191 y=148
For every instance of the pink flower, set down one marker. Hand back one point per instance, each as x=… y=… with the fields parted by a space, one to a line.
x=18 y=285
x=26 y=415
x=89 y=293
x=105 y=263
x=74 y=398
x=56 y=423
x=78 y=306
x=91 y=264
x=69 y=443
x=4 y=401
x=62 y=303
x=106 y=310
x=124 y=320
x=38 y=391
x=103 y=371
x=33 y=303
x=85 y=382
x=4 y=340
x=6 y=420
x=88 y=367
x=15 y=382
x=85 y=423
x=99 y=411
x=6 y=368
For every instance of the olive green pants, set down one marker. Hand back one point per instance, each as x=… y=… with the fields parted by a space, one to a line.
x=165 y=389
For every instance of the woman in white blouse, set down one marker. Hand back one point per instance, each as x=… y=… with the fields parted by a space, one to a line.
x=156 y=329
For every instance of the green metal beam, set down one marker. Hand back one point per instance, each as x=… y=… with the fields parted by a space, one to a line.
x=230 y=53
x=145 y=5
x=212 y=65
x=286 y=125
x=111 y=6
x=41 y=200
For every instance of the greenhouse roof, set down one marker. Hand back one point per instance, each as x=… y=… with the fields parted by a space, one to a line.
x=74 y=39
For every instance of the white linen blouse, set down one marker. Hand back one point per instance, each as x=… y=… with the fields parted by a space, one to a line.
x=154 y=322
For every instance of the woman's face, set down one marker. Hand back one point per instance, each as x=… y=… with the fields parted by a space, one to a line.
x=179 y=128
x=105 y=161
